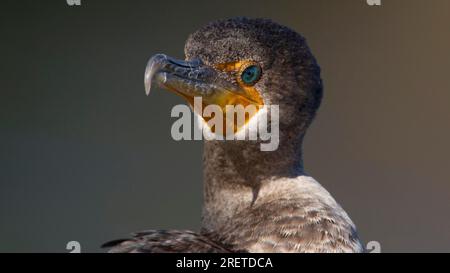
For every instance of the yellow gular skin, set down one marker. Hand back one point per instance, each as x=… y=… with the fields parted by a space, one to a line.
x=250 y=96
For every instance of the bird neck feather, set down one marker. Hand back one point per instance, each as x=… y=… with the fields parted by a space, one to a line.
x=235 y=170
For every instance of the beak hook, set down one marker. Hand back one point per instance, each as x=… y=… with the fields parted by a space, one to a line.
x=153 y=66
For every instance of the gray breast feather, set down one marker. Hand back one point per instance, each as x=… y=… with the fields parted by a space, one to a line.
x=292 y=215
x=289 y=228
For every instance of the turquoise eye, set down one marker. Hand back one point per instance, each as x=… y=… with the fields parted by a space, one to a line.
x=251 y=74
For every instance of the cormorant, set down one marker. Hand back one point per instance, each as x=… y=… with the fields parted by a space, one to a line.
x=254 y=201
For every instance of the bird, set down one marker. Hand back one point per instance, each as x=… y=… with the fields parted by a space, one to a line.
x=254 y=201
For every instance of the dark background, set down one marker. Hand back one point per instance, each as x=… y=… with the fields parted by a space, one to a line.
x=86 y=156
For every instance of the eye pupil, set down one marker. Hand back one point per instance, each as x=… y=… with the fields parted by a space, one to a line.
x=251 y=74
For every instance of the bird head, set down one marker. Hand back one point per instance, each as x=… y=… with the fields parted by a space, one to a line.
x=243 y=61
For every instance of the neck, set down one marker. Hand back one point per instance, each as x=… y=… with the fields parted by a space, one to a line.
x=235 y=170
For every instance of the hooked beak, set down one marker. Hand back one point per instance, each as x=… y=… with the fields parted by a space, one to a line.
x=160 y=67
x=186 y=78
x=191 y=79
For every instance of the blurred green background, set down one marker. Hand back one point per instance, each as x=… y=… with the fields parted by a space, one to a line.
x=86 y=156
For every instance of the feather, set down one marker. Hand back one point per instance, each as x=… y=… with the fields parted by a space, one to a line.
x=166 y=241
